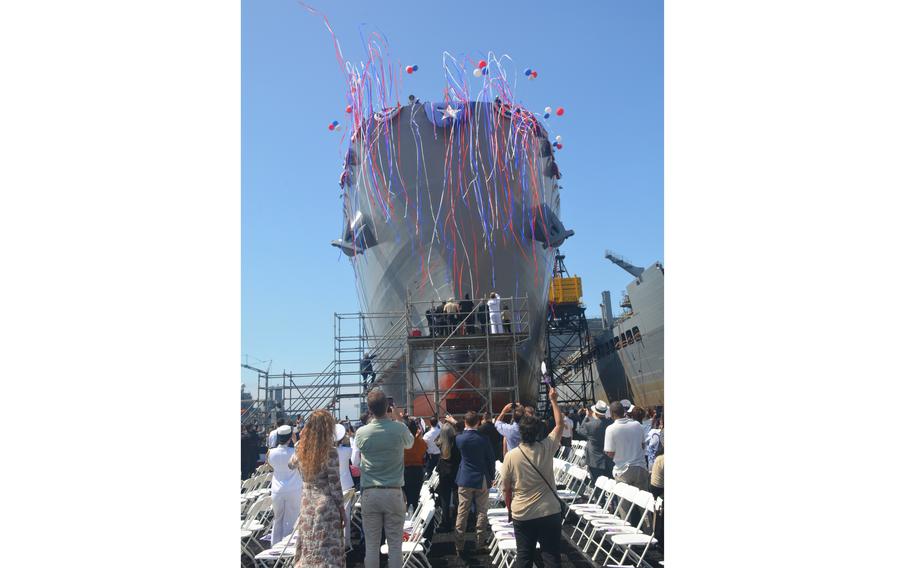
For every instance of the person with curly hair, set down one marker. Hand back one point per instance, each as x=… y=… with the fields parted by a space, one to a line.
x=320 y=531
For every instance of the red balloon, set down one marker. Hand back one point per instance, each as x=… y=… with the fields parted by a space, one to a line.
x=348 y=109
x=559 y=146
x=482 y=64
x=409 y=69
x=560 y=111
x=534 y=74
x=331 y=127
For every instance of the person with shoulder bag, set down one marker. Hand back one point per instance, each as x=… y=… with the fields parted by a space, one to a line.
x=529 y=487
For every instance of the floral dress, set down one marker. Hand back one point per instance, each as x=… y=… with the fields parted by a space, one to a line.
x=320 y=533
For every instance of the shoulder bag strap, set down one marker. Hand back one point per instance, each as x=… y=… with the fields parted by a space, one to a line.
x=542 y=477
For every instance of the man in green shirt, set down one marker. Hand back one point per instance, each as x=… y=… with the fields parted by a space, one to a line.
x=381 y=445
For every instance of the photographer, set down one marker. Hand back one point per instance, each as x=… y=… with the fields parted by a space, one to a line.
x=380 y=449
x=529 y=488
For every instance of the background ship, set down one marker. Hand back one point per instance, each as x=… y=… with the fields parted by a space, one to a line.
x=630 y=359
x=444 y=200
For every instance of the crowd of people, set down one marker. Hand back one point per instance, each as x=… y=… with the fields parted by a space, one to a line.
x=319 y=465
x=488 y=315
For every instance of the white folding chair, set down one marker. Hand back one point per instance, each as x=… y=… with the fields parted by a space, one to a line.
x=641 y=501
x=255 y=525
x=626 y=541
x=561 y=471
x=281 y=552
x=575 y=484
x=607 y=521
x=414 y=550
x=603 y=491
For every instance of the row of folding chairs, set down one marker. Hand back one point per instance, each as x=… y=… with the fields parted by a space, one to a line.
x=617 y=524
x=574 y=454
x=502 y=544
x=415 y=548
x=254 y=488
x=256 y=523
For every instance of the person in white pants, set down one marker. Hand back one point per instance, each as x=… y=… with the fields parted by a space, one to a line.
x=347 y=481
x=495 y=313
x=287 y=486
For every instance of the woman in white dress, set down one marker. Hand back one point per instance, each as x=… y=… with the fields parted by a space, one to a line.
x=495 y=313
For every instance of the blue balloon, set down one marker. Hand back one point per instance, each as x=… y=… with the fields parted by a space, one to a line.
x=485 y=70
x=546 y=115
x=335 y=122
x=527 y=72
x=414 y=68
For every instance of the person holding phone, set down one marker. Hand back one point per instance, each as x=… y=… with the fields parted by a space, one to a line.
x=529 y=488
x=509 y=430
x=381 y=445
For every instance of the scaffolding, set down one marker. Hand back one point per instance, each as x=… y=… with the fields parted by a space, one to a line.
x=571 y=353
x=460 y=364
x=448 y=363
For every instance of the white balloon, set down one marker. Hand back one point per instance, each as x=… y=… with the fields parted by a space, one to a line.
x=559 y=138
x=478 y=72
x=548 y=110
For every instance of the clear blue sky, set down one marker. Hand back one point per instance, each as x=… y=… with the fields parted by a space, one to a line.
x=602 y=61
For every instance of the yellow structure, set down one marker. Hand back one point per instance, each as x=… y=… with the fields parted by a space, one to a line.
x=565 y=290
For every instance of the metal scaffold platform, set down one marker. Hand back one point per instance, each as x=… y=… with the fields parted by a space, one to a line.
x=462 y=363
x=571 y=354
x=439 y=362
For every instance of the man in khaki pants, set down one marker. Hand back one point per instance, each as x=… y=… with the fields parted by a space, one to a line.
x=475 y=476
x=381 y=445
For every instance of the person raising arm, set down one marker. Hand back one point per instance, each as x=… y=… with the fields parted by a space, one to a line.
x=509 y=431
x=555 y=434
x=529 y=488
x=557 y=415
x=502 y=414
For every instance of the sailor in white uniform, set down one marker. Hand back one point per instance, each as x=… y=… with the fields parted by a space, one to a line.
x=495 y=313
x=347 y=481
x=287 y=485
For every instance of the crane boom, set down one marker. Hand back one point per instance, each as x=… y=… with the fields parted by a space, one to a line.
x=623 y=263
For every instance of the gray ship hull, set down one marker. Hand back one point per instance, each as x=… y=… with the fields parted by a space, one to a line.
x=440 y=207
x=633 y=364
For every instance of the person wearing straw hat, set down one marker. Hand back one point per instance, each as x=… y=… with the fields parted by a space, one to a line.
x=592 y=429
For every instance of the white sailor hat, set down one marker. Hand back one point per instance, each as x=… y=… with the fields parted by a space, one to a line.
x=283 y=430
x=339 y=432
x=626 y=403
x=601 y=407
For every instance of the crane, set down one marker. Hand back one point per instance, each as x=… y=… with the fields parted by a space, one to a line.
x=621 y=262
